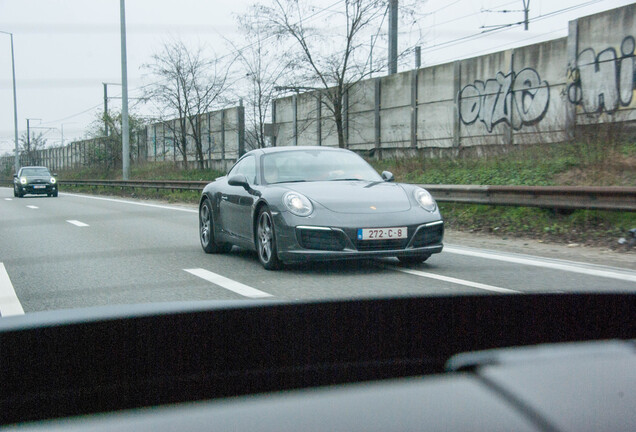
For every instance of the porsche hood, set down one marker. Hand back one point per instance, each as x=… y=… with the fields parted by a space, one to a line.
x=361 y=197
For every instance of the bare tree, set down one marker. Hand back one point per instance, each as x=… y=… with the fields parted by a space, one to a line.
x=30 y=147
x=106 y=150
x=329 y=60
x=188 y=85
x=265 y=63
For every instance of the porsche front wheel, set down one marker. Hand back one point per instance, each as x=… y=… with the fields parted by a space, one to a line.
x=266 y=240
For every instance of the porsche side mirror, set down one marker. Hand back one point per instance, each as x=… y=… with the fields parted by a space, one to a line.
x=387 y=176
x=15 y=176
x=238 y=180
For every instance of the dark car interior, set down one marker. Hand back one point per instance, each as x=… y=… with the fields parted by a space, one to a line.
x=203 y=361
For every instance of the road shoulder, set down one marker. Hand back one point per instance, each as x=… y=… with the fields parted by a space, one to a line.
x=579 y=253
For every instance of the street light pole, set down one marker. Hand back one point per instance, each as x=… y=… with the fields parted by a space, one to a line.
x=125 y=143
x=15 y=107
x=393 y=36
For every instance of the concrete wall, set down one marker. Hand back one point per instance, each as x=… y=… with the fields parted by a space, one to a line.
x=223 y=136
x=532 y=94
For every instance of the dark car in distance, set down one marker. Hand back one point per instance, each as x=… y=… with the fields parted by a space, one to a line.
x=295 y=204
x=35 y=180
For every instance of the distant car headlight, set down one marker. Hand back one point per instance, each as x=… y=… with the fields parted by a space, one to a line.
x=298 y=204
x=53 y=180
x=23 y=180
x=425 y=200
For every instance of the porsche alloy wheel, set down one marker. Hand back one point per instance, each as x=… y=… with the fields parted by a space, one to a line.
x=266 y=241
x=206 y=231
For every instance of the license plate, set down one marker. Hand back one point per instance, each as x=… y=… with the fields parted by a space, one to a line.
x=382 y=233
x=39 y=186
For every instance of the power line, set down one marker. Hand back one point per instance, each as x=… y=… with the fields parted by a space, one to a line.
x=489 y=32
x=74 y=115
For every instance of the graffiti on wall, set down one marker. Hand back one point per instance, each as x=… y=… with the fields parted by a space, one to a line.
x=603 y=82
x=517 y=99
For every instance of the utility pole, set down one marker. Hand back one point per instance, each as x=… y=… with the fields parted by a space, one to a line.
x=106 y=129
x=371 y=59
x=28 y=148
x=105 y=109
x=393 y=36
x=125 y=143
x=525 y=22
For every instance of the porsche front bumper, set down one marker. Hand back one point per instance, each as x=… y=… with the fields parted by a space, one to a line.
x=300 y=242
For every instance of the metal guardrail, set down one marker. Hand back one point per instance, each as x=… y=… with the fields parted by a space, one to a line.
x=556 y=197
x=141 y=184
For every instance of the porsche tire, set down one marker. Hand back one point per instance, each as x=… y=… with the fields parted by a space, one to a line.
x=266 y=247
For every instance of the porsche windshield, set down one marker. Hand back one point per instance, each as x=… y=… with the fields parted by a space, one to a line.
x=312 y=165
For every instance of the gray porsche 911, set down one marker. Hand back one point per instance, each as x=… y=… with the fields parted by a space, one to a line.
x=295 y=204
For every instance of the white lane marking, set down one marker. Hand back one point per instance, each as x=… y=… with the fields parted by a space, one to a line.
x=456 y=281
x=570 y=266
x=8 y=199
x=228 y=284
x=77 y=223
x=133 y=202
x=9 y=303
x=32 y=207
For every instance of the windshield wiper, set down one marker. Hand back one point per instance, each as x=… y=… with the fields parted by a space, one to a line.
x=290 y=181
x=374 y=183
x=348 y=179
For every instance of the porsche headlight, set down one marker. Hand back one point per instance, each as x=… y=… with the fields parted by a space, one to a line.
x=53 y=180
x=298 y=204
x=23 y=180
x=425 y=200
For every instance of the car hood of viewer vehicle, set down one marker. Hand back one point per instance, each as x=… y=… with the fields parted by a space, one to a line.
x=360 y=197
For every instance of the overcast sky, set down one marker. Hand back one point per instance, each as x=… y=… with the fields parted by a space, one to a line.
x=66 y=49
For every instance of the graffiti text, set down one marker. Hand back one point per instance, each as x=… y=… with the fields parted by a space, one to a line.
x=516 y=99
x=605 y=81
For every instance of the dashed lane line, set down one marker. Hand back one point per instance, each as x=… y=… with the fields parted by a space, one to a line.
x=228 y=284
x=77 y=223
x=188 y=210
x=9 y=303
x=33 y=207
x=569 y=266
x=456 y=281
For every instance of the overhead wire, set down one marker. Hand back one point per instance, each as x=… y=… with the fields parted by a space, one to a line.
x=489 y=32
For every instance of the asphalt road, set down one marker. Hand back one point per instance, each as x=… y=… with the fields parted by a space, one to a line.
x=79 y=251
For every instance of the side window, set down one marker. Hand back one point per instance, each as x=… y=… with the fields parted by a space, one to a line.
x=247 y=167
